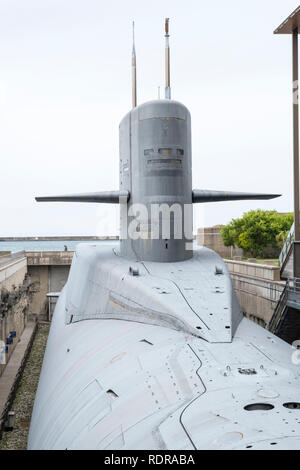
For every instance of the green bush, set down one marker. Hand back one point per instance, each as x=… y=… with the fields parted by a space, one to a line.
x=257 y=230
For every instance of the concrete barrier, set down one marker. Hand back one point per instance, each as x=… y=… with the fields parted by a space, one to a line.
x=211 y=238
x=49 y=272
x=257 y=297
x=14 y=301
x=10 y=379
x=49 y=258
x=12 y=272
x=255 y=270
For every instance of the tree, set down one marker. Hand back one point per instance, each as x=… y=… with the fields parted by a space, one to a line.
x=257 y=230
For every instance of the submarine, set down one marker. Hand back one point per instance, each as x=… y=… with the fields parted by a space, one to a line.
x=148 y=347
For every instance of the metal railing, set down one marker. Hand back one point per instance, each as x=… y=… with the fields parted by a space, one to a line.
x=292 y=285
x=279 y=308
x=287 y=246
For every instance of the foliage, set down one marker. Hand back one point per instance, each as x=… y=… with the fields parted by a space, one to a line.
x=257 y=230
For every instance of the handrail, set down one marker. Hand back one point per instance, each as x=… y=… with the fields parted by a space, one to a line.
x=279 y=308
x=292 y=285
x=287 y=245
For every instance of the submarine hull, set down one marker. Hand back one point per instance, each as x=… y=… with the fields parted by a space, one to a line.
x=145 y=355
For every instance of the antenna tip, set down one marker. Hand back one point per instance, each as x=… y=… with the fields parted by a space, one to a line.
x=133 y=42
x=167 y=25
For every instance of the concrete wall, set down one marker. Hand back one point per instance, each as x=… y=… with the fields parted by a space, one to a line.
x=211 y=238
x=58 y=276
x=39 y=279
x=257 y=297
x=14 y=299
x=260 y=271
x=46 y=279
x=258 y=288
x=12 y=272
x=15 y=320
x=49 y=258
x=49 y=272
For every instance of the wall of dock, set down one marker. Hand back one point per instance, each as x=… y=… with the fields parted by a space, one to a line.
x=14 y=302
x=258 y=288
x=49 y=272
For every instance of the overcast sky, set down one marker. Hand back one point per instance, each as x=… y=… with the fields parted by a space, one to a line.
x=65 y=84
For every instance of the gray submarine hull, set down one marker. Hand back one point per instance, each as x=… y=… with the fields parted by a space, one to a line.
x=147 y=355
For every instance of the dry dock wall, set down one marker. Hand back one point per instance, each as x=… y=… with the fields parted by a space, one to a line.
x=14 y=302
x=211 y=238
x=49 y=272
x=258 y=288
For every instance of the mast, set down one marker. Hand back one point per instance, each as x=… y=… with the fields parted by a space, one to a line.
x=133 y=69
x=167 y=61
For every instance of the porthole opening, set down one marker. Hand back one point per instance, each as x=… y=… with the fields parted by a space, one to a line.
x=259 y=407
x=292 y=405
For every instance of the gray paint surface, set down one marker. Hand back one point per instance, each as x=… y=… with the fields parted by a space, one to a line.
x=155 y=168
x=132 y=371
x=108 y=197
x=169 y=294
x=148 y=348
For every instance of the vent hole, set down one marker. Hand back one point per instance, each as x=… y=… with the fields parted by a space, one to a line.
x=133 y=271
x=292 y=405
x=112 y=394
x=259 y=406
x=218 y=271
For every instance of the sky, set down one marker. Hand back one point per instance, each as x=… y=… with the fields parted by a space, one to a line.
x=65 y=84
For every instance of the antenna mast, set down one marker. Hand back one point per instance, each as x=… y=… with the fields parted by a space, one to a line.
x=167 y=61
x=133 y=69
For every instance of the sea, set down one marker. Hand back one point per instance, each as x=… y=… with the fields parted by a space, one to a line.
x=47 y=245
